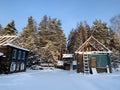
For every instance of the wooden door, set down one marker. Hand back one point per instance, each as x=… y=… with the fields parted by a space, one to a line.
x=93 y=62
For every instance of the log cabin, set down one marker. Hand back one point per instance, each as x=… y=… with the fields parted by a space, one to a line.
x=12 y=57
x=93 y=57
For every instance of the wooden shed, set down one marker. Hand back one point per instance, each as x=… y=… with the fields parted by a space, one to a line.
x=67 y=61
x=93 y=57
x=13 y=58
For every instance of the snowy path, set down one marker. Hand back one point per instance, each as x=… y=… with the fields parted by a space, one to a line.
x=59 y=80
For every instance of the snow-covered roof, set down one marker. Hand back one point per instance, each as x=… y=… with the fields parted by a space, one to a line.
x=7 y=41
x=67 y=55
x=1 y=54
x=15 y=46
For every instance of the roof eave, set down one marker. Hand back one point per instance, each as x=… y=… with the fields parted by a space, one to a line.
x=15 y=46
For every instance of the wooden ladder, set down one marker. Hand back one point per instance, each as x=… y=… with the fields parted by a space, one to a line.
x=86 y=63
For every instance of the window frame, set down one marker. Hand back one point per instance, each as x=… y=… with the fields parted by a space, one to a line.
x=14 y=53
x=19 y=54
x=22 y=66
x=23 y=55
x=12 y=67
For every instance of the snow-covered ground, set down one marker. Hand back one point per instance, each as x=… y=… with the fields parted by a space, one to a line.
x=59 y=80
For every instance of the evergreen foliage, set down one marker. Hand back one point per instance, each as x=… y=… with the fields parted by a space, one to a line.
x=28 y=39
x=51 y=37
x=10 y=29
x=78 y=36
x=47 y=42
x=99 y=30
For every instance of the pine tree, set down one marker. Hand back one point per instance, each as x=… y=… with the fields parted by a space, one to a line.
x=87 y=30
x=114 y=43
x=29 y=39
x=82 y=32
x=10 y=29
x=29 y=34
x=51 y=38
x=100 y=31
x=77 y=37
x=44 y=23
x=71 y=46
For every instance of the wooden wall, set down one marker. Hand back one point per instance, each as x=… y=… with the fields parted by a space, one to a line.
x=7 y=60
x=79 y=59
x=93 y=64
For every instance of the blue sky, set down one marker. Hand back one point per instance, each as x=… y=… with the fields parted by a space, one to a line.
x=70 y=12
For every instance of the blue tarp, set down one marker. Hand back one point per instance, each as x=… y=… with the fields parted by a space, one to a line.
x=101 y=59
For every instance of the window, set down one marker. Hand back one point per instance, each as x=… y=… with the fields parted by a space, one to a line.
x=19 y=54
x=23 y=55
x=18 y=66
x=13 y=66
x=14 y=53
x=22 y=66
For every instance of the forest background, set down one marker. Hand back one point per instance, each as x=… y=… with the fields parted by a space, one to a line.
x=47 y=41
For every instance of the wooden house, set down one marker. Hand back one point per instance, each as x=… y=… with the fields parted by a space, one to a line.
x=93 y=57
x=12 y=58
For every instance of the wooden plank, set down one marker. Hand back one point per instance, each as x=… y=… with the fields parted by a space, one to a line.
x=88 y=42
x=94 y=71
x=93 y=62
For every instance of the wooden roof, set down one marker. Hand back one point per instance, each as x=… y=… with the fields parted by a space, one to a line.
x=94 y=43
x=7 y=40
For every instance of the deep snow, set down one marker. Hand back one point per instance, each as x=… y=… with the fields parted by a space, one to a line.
x=59 y=80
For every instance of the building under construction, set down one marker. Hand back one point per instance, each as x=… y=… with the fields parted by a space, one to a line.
x=92 y=56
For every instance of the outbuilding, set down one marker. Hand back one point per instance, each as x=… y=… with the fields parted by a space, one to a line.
x=93 y=57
